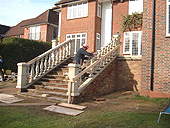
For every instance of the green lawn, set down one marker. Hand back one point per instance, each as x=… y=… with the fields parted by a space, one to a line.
x=36 y=117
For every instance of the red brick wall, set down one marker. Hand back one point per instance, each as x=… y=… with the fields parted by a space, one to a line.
x=161 y=85
x=43 y=30
x=81 y=25
x=129 y=74
x=121 y=75
x=119 y=10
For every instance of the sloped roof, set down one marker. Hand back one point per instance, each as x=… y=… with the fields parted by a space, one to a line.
x=17 y=30
x=3 y=29
x=65 y=1
x=47 y=17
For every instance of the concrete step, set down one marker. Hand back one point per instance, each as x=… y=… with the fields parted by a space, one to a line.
x=61 y=77
x=42 y=97
x=52 y=84
x=54 y=80
x=51 y=93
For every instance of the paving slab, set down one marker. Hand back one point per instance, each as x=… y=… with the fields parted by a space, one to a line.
x=5 y=98
x=63 y=110
x=72 y=106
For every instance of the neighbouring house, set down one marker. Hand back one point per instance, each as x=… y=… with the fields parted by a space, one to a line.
x=94 y=22
x=155 y=80
x=3 y=29
x=43 y=28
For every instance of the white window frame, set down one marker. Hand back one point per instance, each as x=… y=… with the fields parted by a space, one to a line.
x=97 y=41
x=167 y=18
x=135 y=6
x=99 y=9
x=34 y=33
x=130 y=36
x=77 y=10
x=77 y=36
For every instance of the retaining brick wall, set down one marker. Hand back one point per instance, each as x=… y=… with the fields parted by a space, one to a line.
x=120 y=75
x=161 y=85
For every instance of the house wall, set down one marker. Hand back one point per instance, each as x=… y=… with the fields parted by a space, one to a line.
x=80 y=25
x=161 y=85
x=43 y=31
x=120 y=75
x=119 y=10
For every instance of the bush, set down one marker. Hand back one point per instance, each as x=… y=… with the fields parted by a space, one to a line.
x=14 y=50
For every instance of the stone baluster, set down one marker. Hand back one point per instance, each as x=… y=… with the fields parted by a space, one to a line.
x=45 y=64
x=53 y=58
x=49 y=61
x=32 y=73
x=57 y=56
x=37 y=69
x=41 y=66
x=98 y=54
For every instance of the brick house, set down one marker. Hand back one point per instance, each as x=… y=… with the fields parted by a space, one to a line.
x=155 y=80
x=44 y=27
x=94 y=22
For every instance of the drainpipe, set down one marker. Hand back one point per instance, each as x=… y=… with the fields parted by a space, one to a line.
x=111 y=18
x=153 y=47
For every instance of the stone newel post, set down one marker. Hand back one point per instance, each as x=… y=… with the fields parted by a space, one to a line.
x=73 y=86
x=22 y=76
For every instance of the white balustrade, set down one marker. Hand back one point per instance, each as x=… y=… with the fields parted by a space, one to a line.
x=102 y=58
x=43 y=64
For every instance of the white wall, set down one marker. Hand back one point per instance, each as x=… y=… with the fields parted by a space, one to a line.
x=106 y=23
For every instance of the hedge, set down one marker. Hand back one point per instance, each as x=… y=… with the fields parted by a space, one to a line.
x=14 y=50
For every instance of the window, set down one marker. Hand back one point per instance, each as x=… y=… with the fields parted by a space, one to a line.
x=80 y=39
x=132 y=43
x=35 y=33
x=168 y=18
x=135 y=6
x=99 y=9
x=77 y=10
x=55 y=33
x=98 y=41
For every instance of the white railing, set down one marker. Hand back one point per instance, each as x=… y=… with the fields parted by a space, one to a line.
x=102 y=58
x=30 y=72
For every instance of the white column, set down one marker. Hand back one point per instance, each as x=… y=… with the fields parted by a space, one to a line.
x=22 y=77
x=54 y=43
x=73 y=86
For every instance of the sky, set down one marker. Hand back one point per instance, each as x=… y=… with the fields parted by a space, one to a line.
x=13 y=12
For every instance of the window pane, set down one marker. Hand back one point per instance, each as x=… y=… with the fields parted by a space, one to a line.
x=135 y=38
x=127 y=44
x=77 y=44
x=83 y=41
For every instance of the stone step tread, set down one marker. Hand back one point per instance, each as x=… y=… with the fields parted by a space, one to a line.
x=52 y=87
x=55 y=88
x=51 y=83
x=52 y=79
x=47 y=92
x=72 y=106
x=42 y=97
x=53 y=75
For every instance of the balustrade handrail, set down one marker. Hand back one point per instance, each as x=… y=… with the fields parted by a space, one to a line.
x=47 y=52
x=94 y=63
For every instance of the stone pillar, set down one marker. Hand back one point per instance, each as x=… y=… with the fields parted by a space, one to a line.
x=54 y=43
x=73 y=86
x=22 y=77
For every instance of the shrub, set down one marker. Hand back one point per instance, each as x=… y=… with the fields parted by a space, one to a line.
x=14 y=50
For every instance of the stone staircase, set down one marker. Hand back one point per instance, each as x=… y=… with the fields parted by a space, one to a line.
x=53 y=86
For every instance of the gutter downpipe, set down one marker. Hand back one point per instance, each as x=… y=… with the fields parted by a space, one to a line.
x=111 y=18
x=153 y=47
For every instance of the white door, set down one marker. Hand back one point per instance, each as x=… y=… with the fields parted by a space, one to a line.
x=106 y=23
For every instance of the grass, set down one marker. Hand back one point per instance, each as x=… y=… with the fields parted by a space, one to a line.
x=36 y=117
